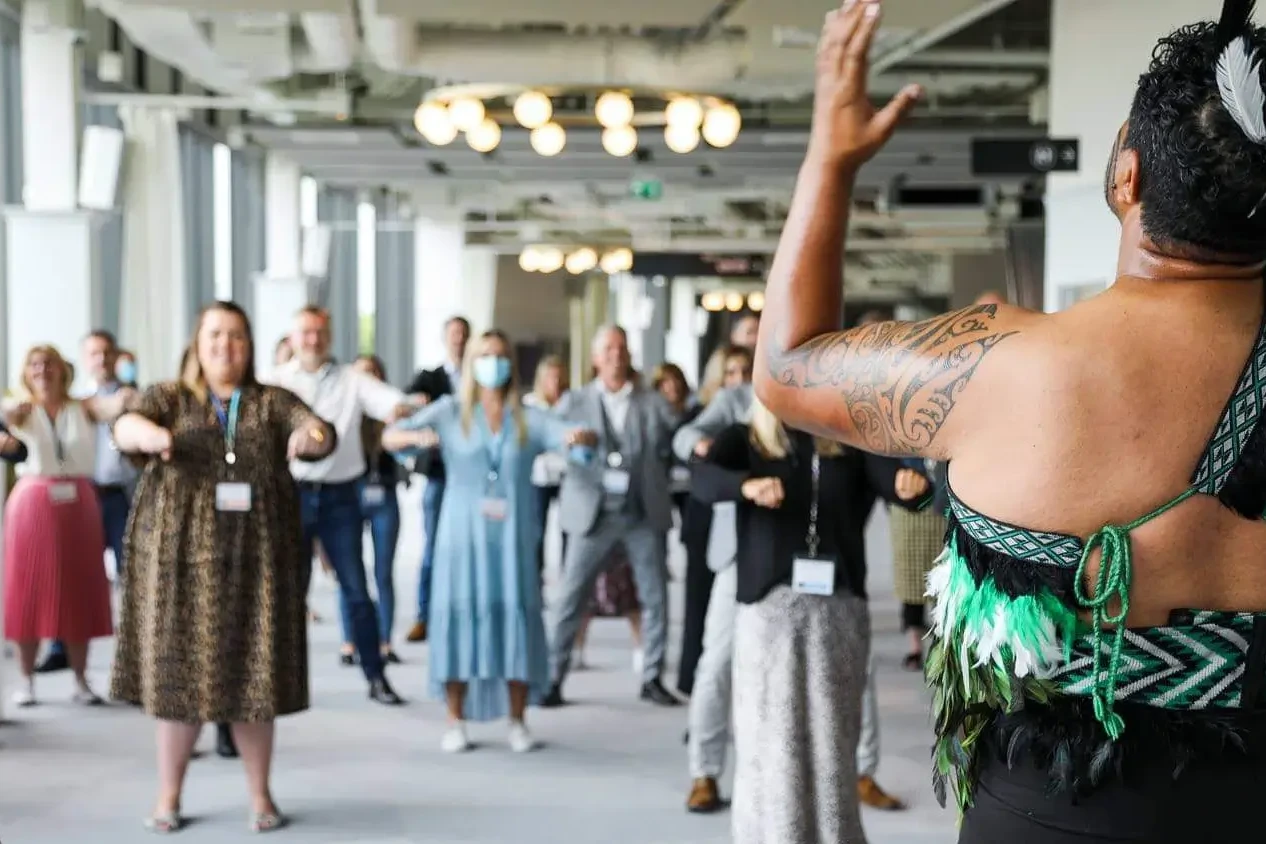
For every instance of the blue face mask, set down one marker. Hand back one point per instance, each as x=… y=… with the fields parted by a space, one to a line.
x=492 y=372
x=125 y=371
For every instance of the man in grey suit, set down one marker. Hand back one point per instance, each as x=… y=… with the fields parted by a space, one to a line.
x=621 y=494
x=731 y=406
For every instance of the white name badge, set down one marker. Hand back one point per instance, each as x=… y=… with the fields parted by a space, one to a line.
x=494 y=509
x=373 y=495
x=813 y=576
x=615 y=482
x=233 y=497
x=63 y=493
x=680 y=478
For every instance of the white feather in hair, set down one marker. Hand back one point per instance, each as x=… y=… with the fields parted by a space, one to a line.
x=1240 y=82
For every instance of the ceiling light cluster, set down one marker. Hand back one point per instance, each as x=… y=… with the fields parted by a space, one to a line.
x=733 y=301
x=550 y=259
x=687 y=120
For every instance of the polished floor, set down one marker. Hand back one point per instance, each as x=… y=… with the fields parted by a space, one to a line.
x=611 y=769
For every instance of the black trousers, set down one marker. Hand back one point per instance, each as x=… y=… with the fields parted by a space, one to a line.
x=696 y=522
x=1212 y=802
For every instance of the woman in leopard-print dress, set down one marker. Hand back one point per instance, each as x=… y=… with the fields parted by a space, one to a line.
x=213 y=620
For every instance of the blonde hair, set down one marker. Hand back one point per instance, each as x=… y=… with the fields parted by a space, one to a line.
x=714 y=370
x=191 y=374
x=55 y=357
x=510 y=392
x=769 y=436
x=669 y=371
x=547 y=363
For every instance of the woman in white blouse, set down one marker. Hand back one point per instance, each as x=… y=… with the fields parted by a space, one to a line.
x=55 y=583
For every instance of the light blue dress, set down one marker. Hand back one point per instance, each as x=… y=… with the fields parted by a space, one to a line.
x=485 y=625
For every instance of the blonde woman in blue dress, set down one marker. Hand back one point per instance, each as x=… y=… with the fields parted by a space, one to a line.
x=488 y=656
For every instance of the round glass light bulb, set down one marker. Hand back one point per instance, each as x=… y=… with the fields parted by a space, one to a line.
x=466 y=113
x=581 y=261
x=684 y=111
x=620 y=141
x=485 y=136
x=533 y=109
x=756 y=301
x=682 y=137
x=614 y=109
x=713 y=301
x=548 y=140
x=721 y=125
x=433 y=123
x=624 y=258
x=530 y=259
x=734 y=301
x=551 y=259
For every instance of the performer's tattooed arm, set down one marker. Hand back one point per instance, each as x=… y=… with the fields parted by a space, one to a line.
x=887 y=388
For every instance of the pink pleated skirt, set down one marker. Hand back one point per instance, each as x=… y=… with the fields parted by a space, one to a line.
x=55 y=584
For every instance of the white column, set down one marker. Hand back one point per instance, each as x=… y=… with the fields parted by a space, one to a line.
x=154 y=308
x=452 y=279
x=282 y=289
x=682 y=344
x=51 y=70
x=1090 y=100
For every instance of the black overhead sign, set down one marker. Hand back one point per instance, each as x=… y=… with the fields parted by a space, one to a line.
x=710 y=265
x=1024 y=156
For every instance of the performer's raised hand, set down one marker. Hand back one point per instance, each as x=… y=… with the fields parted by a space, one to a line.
x=847 y=130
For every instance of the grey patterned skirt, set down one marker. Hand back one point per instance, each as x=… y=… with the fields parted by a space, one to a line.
x=799 y=673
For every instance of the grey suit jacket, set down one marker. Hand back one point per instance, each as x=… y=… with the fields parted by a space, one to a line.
x=650 y=423
x=731 y=406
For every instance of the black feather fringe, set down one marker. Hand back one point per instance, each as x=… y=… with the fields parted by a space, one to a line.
x=1015 y=578
x=1064 y=739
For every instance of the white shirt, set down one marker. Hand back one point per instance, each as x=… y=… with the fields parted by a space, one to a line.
x=454 y=373
x=76 y=433
x=342 y=396
x=616 y=404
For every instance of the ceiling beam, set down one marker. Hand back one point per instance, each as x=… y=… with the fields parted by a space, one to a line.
x=929 y=37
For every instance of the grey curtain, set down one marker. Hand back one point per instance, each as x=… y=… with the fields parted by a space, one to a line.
x=337 y=292
x=248 y=224
x=10 y=114
x=196 y=169
x=394 y=282
x=1026 y=264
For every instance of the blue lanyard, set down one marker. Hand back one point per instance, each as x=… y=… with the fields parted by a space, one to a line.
x=495 y=443
x=227 y=417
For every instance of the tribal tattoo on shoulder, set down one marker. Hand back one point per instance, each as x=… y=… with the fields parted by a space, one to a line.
x=900 y=380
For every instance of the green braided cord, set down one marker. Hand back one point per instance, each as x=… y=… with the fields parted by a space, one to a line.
x=1116 y=569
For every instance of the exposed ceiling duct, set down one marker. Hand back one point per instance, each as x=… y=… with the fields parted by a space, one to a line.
x=331 y=42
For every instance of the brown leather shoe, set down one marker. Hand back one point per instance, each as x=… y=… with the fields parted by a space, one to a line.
x=704 y=797
x=417 y=633
x=869 y=792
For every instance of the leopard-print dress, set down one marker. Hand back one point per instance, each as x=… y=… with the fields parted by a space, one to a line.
x=213 y=619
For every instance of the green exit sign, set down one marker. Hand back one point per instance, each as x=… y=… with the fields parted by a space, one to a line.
x=646 y=188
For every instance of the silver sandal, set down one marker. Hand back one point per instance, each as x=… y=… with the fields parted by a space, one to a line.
x=267 y=821
x=165 y=824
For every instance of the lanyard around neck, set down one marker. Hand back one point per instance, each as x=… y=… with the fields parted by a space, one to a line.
x=227 y=417
x=811 y=538
x=495 y=444
x=59 y=447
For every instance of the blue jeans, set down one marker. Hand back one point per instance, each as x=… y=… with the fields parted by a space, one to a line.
x=331 y=513
x=383 y=518
x=115 y=504
x=432 y=497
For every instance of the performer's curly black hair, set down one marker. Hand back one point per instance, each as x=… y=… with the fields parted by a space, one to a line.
x=1201 y=177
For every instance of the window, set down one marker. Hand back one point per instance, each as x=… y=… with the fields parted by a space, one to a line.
x=366 y=273
x=307 y=202
x=222 y=203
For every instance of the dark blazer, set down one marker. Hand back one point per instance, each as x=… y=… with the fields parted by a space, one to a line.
x=434 y=384
x=769 y=540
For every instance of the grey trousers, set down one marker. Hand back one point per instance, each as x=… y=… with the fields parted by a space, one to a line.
x=868 y=744
x=710 y=700
x=586 y=557
x=799 y=671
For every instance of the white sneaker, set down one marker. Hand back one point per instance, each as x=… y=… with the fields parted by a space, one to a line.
x=84 y=696
x=639 y=661
x=455 y=739
x=578 y=662
x=521 y=740
x=24 y=698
